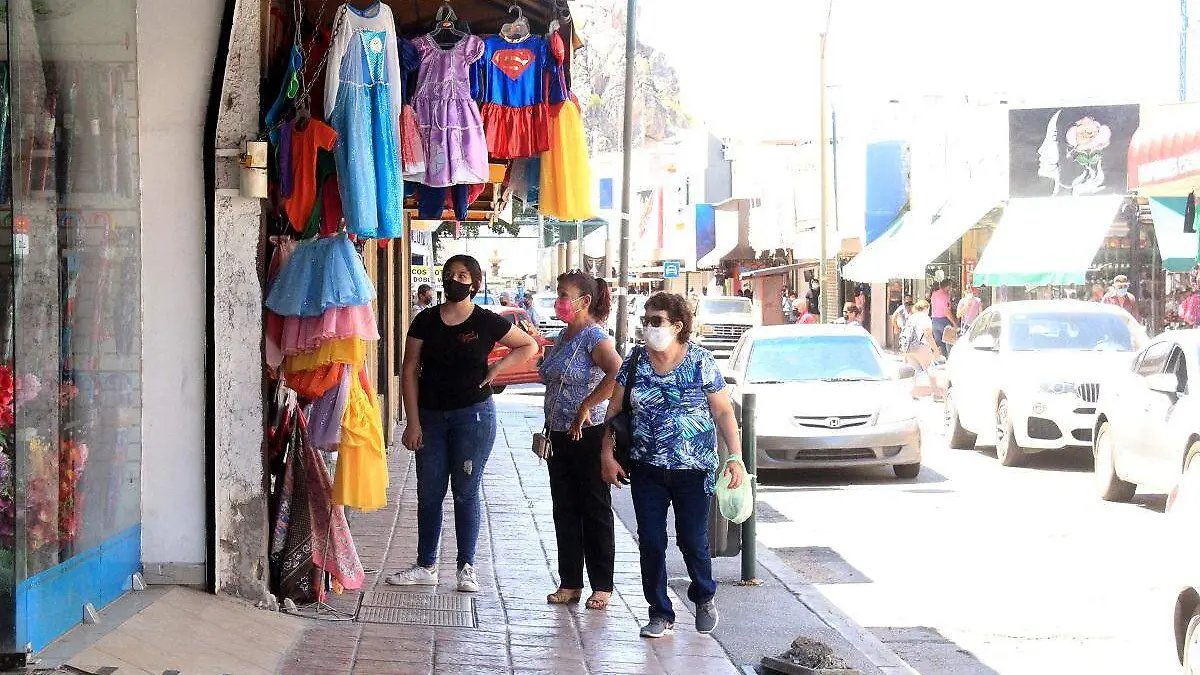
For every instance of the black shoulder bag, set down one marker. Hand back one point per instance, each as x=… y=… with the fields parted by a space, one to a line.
x=621 y=424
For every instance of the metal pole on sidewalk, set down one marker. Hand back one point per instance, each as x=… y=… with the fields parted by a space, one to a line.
x=626 y=175
x=749 y=528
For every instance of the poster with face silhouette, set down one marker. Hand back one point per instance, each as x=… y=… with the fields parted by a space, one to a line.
x=1070 y=151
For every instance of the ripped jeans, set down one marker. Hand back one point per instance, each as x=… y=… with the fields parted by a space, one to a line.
x=455 y=449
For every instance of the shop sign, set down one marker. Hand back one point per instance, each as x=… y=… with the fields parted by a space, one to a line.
x=422 y=271
x=1070 y=151
x=1164 y=159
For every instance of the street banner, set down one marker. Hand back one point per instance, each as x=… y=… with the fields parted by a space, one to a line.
x=1070 y=151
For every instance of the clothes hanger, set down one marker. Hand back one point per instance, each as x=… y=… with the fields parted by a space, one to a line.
x=517 y=30
x=447 y=21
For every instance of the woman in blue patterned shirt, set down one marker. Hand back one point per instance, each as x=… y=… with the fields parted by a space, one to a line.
x=679 y=406
x=579 y=375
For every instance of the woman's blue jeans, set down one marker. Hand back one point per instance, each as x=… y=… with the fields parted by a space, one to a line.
x=456 y=446
x=654 y=490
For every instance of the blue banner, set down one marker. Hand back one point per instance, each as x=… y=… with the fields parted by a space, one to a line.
x=706 y=229
x=887 y=185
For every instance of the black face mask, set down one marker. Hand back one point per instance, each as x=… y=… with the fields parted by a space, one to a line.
x=456 y=291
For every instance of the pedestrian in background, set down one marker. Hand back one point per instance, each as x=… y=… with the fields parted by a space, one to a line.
x=807 y=317
x=580 y=374
x=526 y=303
x=679 y=405
x=919 y=345
x=424 y=299
x=941 y=314
x=789 y=307
x=1121 y=297
x=900 y=317
x=447 y=385
x=852 y=314
x=968 y=308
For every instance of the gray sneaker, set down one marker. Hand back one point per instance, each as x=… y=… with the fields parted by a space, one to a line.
x=707 y=617
x=658 y=627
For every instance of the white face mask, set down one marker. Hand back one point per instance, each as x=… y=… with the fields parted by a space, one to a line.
x=658 y=338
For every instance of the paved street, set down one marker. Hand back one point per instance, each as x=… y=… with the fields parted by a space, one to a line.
x=974 y=569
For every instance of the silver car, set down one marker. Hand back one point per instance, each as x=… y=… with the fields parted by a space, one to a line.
x=827 y=398
x=1148 y=422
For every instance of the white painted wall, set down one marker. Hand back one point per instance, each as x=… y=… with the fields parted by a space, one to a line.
x=177 y=42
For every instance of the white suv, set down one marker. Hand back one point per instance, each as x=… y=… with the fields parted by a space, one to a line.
x=1028 y=375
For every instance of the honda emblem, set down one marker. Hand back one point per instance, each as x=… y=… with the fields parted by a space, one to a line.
x=833 y=422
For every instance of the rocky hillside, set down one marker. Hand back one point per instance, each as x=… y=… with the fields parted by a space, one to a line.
x=599 y=81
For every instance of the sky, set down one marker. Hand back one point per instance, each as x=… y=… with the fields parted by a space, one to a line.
x=750 y=68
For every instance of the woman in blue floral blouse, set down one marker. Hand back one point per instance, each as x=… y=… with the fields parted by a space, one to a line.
x=679 y=406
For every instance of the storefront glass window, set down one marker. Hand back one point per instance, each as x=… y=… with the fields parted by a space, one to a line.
x=71 y=335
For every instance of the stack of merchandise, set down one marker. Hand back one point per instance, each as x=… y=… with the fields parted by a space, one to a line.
x=324 y=324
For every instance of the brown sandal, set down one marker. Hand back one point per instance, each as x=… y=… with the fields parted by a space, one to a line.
x=599 y=600
x=565 y=596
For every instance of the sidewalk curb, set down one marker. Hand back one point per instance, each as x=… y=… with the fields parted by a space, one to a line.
x=860 y=638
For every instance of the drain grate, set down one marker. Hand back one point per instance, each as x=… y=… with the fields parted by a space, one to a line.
x=419 y=609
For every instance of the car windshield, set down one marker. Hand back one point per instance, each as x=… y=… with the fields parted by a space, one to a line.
x=725 y=306
x=1093 y=331
x=544 y=303
x=816 y=357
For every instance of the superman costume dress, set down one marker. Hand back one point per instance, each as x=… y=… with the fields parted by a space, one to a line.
x=512 y=82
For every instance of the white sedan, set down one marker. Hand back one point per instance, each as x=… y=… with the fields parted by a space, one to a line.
x=1148 y=426
x=827 y=398
x=1027 y=377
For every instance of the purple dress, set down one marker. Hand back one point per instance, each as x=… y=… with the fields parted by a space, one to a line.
x=456 y=150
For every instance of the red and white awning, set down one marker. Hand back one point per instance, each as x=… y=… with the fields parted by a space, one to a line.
x=1164 y=156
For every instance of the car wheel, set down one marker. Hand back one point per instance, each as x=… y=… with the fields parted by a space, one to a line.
x=1191 y=646
x=1007 y=450
x=960 y=438
x=1108 y=483
x=907 y=471
x=499 y=388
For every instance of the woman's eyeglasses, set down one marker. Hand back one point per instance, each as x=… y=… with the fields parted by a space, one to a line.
x=655 y=321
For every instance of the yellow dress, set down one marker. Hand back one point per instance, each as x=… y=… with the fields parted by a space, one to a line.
x=348 y=350
x=566 y=181
x=362 y=475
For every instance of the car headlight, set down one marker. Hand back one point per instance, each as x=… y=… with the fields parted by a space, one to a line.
x=1057 y=387
x=706 y=330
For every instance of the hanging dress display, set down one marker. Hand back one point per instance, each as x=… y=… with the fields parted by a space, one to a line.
x=511 y=82
x=566 y=174
x=320 y=274
x=307 y=138
x=455 y=146
x=363 y=100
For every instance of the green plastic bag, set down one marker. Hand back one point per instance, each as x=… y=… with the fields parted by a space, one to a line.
x=736 y=505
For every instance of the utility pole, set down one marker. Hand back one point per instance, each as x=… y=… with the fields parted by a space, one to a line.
x=828 y=286
x=1184 y=29
x=626 y=175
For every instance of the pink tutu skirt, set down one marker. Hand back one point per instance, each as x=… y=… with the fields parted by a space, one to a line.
x=308 y=333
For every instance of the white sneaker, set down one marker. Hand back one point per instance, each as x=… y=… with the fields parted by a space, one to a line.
x=468 y=582
x=414 y=576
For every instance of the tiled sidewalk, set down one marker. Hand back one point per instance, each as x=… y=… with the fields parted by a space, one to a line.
x=518 y=634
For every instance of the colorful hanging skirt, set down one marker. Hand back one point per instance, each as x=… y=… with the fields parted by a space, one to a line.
x=513 y=133
x=566 y=185
x=362 y=476
x=320 y=274
x=308 y=333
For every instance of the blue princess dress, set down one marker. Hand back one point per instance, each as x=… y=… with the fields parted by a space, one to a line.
x=363 y=101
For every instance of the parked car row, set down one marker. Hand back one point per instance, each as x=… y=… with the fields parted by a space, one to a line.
x=1042 y=376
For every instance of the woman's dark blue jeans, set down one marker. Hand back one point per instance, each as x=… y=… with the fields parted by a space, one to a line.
x=654 y=490
x=455 y=448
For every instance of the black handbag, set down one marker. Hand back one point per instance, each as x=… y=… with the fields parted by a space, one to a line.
x=621 y=424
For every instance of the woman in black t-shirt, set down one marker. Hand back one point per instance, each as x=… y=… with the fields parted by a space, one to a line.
x=451 y=417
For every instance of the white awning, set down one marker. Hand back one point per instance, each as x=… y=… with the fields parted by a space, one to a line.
x=1047 y=241
x=915 y=240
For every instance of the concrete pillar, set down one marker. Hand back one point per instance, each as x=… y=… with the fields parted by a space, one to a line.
x=240 y=543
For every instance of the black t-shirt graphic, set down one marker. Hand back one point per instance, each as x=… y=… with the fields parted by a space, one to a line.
x=454 y=359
